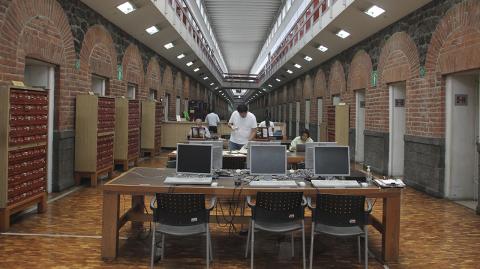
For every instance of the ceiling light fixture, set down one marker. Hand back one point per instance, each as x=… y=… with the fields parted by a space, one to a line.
x=181 y=56
x=343 y=34
x=308 y=58
x=297 y=66
x=289 y=71
x=152 y=30
x=205 y=78
x=189 y=63
x=270 y=85
x=322 y=48
x=277 y=79
x=126 y=7
x=374 y=11
x=168 y=45
x=196 y=69
x=211 y=84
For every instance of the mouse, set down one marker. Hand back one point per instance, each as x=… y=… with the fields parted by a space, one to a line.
x=292 y=171
x=364 y=184
x=214 y=184
x=301 y=184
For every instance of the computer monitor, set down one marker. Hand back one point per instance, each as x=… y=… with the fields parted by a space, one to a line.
x=269 y=160
x=250 y=143
x=217 y=151
x=332 y=160
x=300 y=148
x=194 y=159
x=309 y=152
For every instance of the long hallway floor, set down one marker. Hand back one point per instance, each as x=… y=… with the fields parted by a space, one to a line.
x=435 y=233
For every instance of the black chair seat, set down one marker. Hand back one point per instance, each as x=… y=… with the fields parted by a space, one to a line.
x=338 y=231
x=278 y=227
x=181 y=230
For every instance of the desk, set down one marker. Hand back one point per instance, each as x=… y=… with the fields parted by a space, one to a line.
x=139 y=182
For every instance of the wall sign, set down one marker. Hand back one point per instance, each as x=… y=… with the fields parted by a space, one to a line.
x=399 y=102
x=373 y=78
x=461 y=100
x=119 y=72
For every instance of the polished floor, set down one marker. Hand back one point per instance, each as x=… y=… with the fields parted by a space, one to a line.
x=435 y=233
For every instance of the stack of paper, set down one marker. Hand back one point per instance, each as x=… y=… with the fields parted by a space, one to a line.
x=390 y=183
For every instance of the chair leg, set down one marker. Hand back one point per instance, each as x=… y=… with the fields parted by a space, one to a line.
x=359 y=250
x=248 y=239
x=252 y=232
x=162 y=255
x=312 y=237
x=292 y=243
x=207 y=250
x=303 y=245
x=366 y=246
x=210 y=240
x=152 y=256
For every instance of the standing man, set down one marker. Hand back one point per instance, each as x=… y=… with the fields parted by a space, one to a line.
x=212 y=120
x=244 y=127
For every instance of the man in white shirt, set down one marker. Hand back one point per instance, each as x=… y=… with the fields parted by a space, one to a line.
x=212 y=120
x=244 y=127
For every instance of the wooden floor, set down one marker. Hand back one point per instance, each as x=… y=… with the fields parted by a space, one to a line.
x=435 y=233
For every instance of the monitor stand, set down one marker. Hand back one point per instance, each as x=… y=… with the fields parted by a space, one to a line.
x=267 y=177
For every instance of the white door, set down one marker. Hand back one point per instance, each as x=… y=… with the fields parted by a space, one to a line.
x=297 y=119
x=290 y=119
x=319 y=117
x=397 y=129
x=42 y=75
x=461 y=165
x=307 y=114
x=177 y=106
x=165 y=106
x=360 y=126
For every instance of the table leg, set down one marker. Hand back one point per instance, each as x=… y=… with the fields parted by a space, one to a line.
x=138 y=205
x=391 y=224
x=111 y=205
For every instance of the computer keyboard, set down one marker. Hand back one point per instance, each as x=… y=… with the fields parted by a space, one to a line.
x=273 y=183
x=335 y=183
x=188 y=180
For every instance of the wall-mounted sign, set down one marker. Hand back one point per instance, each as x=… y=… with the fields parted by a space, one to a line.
x=422 y=71
x=119 y=72
x=399 y=102
x=374 y=77
x=362 y=104
x=461 y=100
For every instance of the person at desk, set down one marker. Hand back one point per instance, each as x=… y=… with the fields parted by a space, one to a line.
x=244 y=127
x=304 y=138
x=202 y=130
x=267 y=124
x=212 y=120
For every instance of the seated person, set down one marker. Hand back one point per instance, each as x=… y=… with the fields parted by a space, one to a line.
x=304 y=138
x=202 y=130
x=267 y=124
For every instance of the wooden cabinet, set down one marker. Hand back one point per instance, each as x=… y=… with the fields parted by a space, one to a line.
x=151 y=126
x=127 y=131
x=23 y=150
x=94 y=137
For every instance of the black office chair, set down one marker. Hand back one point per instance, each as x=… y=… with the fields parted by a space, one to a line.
x=180 y=215
x=278 y=212
x=340 y=215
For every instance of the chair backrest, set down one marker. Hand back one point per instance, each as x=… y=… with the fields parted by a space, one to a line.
x=278 y=206
x=340 y=210
x=180 y=209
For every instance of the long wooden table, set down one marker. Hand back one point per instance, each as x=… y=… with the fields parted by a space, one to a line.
x=139 y=182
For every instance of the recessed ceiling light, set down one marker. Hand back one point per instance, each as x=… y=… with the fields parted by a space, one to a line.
x=126 y=7
x=216 y=88
x=270 y=85
x=297 y=66
x=289 y=71
x=196 y=69
x=343 y=34
x=205 y=78
x=374 y=11
x=211 y=84
x=308 y=58
x=189 y=63
x=181 y=56
x=168 y=45
x=152 y=30
x=322 y=48
x=277 y=79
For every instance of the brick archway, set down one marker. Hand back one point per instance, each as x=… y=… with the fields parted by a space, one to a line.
x=152 y=78
x=133 y=69
x=320 y=85
x=336 y=79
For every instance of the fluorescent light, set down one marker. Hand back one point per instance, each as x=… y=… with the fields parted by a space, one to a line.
x=126 y=7
x=152 y=30
x=289 y=71
x=270 y=85
x=196 y=69
x=205 y=78
x=297 y=66
x=277 y=79
x=343 y=34
x=216 y=88
x=211 y=84
x=168 y=45
x=308 y=58
x=374 y=11
x=322 y=48
x=189 y=63
x=181 y=56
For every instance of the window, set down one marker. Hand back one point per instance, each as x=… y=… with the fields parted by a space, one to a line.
x=336 y=100
x=98 y=85
x=153 y=94
x=131 y=91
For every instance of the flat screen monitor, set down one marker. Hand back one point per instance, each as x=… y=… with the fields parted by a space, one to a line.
x=333 y=160
x=217 y=151
x=268 y=160
x=309 y=152
x=194 y=159
x=250 y=143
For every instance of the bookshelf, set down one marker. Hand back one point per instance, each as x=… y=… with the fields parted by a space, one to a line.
x=127 y=132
